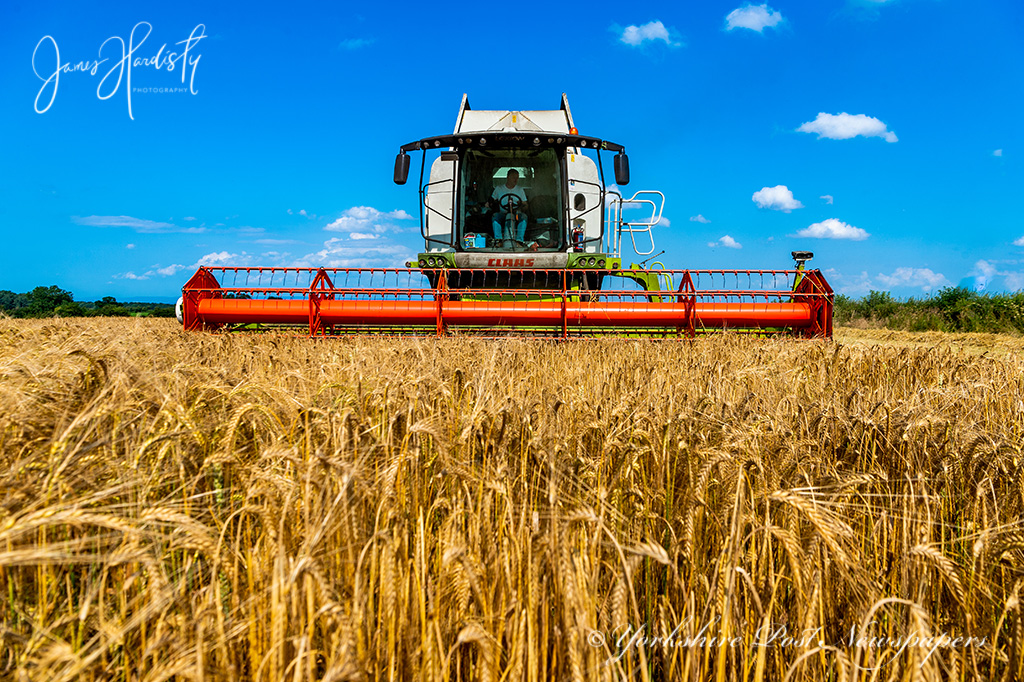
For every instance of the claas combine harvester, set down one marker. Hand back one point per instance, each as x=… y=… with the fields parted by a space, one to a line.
x=522 y=236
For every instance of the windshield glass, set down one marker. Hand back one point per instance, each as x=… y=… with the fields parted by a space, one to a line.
x=511 y=200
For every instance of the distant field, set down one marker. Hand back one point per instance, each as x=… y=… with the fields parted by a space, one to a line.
x=973 y=343
x=191 y=506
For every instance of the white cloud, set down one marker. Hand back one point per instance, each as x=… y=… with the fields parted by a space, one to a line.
x=652 y=31
x=168 y=271
x=355 y=43
x=140 y=225
x=987 y=276
x=341 y=253
x=828 y=198
x=1018 y=242
x=998 y=152
x=132 y=246
x=906 y=277
x=275 y=242
x=755 y=17
x=983 y=273
x=189 y=218
x=369 y=247
x=831 y=228
x=857 y=285
x=290 y=212
x=726 y=241
x=922 y=278
x=302 y=211
x=366 y=219
x=778 y=198
x=365 y=243
x=845 y=126
x=211 y=259
x=699 y=219
x=222 y=258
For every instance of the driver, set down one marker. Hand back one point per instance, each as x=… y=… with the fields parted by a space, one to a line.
x=511 y=210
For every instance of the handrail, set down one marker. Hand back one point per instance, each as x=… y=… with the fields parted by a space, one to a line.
x=615 y=215
x=616 y=208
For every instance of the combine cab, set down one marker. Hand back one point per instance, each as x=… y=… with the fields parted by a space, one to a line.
x=522 y=236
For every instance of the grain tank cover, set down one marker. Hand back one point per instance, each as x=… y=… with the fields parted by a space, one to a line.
x=556 y=121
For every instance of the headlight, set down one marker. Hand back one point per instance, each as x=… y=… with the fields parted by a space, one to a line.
x=600 y=263
x=423 y=262
x=592 y=261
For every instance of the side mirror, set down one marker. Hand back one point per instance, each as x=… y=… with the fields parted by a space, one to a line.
x=621 y=169
x=402 y=168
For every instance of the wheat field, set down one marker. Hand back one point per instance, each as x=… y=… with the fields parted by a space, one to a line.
x=207 y=507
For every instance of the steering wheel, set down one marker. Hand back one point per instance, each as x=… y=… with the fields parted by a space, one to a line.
x=510 y=202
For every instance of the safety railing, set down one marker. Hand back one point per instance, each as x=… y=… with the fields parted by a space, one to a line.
x=619 y=226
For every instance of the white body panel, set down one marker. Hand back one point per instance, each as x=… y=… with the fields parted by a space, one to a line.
x=480 y=121
x=554 y=121
x=584 y=181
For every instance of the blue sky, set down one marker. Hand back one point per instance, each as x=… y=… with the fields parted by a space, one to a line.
x=883 y=136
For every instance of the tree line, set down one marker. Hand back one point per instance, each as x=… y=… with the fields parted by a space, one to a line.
x=53 y=301
x=951 y=309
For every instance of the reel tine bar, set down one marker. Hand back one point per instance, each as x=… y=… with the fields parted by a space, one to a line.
x=564 y=303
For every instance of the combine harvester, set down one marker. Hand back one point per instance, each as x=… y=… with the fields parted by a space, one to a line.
x=522 y=236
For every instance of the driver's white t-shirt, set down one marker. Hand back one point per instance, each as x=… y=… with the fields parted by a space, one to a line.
x=501 y=190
